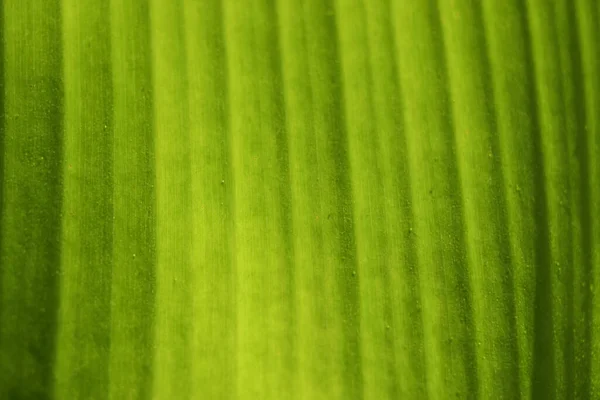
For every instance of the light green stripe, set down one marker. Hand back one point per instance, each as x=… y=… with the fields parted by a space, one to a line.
x=446 y=295
x=318 y=356
x=213 y=308
x=174 y=284
x=323 y=243
x=133 y=289
x=83 y=342
x=405 y=330
x=483 y=195
x=341 y=274
x=372 y=237
x=265 y=309
x=214 y=301
x=516 y=126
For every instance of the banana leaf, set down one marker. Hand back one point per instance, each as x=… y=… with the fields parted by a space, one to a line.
x=299 y=199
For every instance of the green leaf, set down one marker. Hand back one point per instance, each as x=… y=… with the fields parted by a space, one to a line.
x=312 y=199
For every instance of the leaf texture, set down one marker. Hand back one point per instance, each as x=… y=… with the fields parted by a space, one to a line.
x=313 y=199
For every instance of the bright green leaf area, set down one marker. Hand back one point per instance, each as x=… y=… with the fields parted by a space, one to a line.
x=300 y=199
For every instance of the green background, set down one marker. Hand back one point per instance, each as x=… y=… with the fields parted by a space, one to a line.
x=300 y=199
